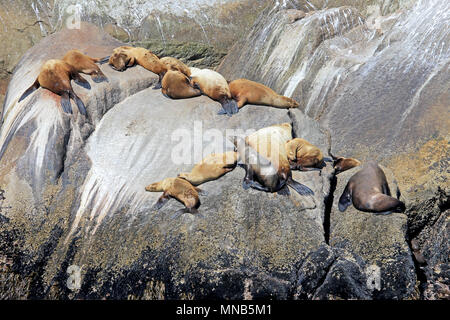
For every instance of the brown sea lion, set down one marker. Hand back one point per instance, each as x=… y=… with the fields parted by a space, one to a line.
x=177 y=86
x=55 y=75
x=211 y=168
x=303 y=155
x=368 y=190
x=214 y=85
x=263 y=156
x=125 y=56
x=245 y=91
x=179 y=189
x=342 y=164
x=85 y=64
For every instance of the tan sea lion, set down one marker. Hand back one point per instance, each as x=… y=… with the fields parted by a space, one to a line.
x=263 y=156
x=211 y=168
x=342 y=164
x=55 y=75
x=85 y=64
x=179 y=189
x=214 y=85
x=177 y=86
x=125 y=56
x=368 y=190
x=304 y=156
x=245 y=91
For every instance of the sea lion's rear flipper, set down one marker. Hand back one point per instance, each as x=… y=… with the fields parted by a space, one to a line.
x=65 y=103
x=300 y=188
x=326 y=159
x=99 y=77
x=103 y=60
x=30 y=90
x=345 y=200
x=82 y=82
x=161 y=202
x=222 y=112
x=284 y=191
x=79 y=103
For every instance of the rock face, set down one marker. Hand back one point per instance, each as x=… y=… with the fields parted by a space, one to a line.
x=74 y=193
x=375 y=74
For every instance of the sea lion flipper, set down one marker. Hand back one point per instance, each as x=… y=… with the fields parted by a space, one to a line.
x=79 y=103
x=161 y=202
x=345 y=200
x=284 y=191
x=300 y=188
x=230 y=106
x=99 y=77
x=222 y=112
x=326 y=159
x=103 y=60
x=65 y=103
x=82 y=82
x=30 y=90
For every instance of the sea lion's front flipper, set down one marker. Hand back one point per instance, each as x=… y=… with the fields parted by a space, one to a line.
x=79 y=103
x=345 y=200
x=300 y=188
x=82 y=82
x=326 y=159
x=30 y=90
x=222 y=112
x=159 y=84
x=161 y=202
x=229 y=106
x=65 y=103
x=284 y=191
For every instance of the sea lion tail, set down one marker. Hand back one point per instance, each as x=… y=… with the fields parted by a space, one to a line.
x=229 y=107
x=300 y=188
x=102 y=60
x=30 y=90
x=79 y=103
x=65 y=102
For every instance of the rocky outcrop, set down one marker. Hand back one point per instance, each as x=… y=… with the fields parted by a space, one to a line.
x=74 y=193
x=376 y=75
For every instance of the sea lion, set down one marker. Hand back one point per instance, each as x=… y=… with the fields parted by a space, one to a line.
x=179 y=189
x=85 y=64
x=342 y=164
x=263 y=156
x=125 y=56
x=55 y=75
x=177 y=86
x=245 y=91
x=304 y=156
x=368 y=190
x=214 y=85
x=211 y=168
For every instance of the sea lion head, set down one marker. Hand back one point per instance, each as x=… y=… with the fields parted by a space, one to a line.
x=121 y=60
x=342 y=164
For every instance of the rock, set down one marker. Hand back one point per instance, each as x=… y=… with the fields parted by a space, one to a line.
x=379 y=240
x=75 y=199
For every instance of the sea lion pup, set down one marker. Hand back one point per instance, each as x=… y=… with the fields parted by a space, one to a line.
x=245 y=91
x=304 y=156
x=179 y=189
x=368 y=190
x=176 y=85
x=85 y=64
x=55 y=75
x=342 y=164
x=211 y=168
x=214 y=85
x=263 y=156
